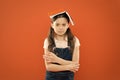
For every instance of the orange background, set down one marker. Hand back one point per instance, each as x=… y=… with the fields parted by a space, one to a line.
x=24 y=25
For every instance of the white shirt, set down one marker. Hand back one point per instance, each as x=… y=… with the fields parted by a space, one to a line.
x=61 y=44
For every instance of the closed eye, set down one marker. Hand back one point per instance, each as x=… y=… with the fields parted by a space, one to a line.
x=57 y=24
x=64 y=24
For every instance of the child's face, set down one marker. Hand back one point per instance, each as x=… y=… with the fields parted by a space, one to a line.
x=60 y=26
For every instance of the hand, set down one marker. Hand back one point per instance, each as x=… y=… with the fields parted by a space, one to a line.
x=73 y=67
x=50 y=57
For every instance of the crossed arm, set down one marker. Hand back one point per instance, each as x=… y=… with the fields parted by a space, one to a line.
x=50 y=57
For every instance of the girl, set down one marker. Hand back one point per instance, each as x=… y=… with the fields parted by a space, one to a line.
x=61 y=49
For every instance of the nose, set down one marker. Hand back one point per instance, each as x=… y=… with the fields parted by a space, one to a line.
x=60 y=27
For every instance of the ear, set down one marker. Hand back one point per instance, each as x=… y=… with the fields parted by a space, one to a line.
x=68 y=25
x=52 y=25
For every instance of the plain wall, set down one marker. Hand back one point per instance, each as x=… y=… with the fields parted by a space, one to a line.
x=24 y=25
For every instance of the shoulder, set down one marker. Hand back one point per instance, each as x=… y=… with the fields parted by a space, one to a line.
x=46 y=40
x=77 y=41
x=45 y=43
x=76 y=38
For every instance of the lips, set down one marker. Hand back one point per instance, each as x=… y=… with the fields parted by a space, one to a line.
x=60 y=31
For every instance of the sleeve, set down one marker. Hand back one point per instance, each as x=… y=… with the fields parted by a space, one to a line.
x=77 y=42
x=45 y=43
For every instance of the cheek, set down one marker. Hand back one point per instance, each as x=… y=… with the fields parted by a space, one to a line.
x=66 y=29
x=55 y=29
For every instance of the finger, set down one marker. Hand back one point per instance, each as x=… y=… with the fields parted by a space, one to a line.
x=44 y=56
x=48 y=60
x=49 y=52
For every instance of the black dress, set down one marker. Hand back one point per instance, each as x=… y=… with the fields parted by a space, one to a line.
x=63 y=53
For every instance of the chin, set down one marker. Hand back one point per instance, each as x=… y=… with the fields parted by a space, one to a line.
x=60 y=34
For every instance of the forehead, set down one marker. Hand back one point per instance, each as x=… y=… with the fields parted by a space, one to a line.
x=61 y=20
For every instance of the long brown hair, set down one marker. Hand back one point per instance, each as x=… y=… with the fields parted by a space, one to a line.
x=70 y=36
